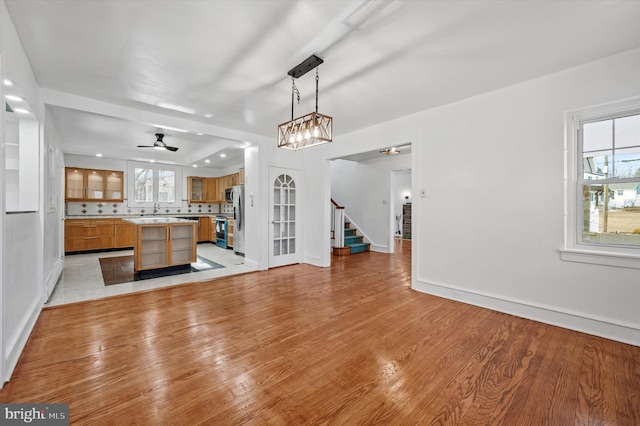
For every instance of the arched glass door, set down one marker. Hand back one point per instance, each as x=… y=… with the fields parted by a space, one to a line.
x=284 y=222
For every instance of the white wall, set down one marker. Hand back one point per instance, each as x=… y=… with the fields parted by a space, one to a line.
x=53 y=209
x=22 y=286
x=506 y=256
x=364 y=190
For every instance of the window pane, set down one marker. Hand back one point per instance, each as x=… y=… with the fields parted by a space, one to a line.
x=143 y=185
x=597 y=136
x=597 y=165
x=627 y=163
x=166 y=186
x=611 y=214
x=627 y=131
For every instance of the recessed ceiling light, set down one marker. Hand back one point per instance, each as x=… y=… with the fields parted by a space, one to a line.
x=21 y=110
x=98 y=155
x=208 y=115
x=207 y=161
x=390 y=151
x=14 y=98
x=195 y=165
x=223 y=155
x=152 y=161
x=8 y=82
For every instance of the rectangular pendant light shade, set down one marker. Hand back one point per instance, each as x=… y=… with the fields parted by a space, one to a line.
x=309 y=130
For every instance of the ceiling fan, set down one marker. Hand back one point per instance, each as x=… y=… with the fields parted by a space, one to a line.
x=159 y=144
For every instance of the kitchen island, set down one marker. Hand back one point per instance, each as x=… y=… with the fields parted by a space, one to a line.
x=161 y=242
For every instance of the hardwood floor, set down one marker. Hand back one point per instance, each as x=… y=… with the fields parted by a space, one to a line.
x=350 y=344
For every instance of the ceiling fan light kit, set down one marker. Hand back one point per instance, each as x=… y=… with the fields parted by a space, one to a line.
x=159 y=144
x=310 y=129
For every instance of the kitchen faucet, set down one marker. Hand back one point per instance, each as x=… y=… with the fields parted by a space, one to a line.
x=156 y=207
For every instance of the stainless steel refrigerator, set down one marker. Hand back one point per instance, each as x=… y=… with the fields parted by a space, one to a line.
x=238 y=215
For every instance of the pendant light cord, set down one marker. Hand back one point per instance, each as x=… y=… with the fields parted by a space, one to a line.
x=317 y=79
x=295 y=91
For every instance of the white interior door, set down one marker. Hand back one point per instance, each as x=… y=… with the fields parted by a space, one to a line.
x=284 y=223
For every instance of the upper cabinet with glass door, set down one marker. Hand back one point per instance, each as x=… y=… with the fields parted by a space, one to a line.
x=93 y=185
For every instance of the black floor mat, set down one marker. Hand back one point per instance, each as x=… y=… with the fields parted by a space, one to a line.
x=118 y=270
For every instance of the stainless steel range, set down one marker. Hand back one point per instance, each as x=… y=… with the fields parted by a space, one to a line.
x=221 y=231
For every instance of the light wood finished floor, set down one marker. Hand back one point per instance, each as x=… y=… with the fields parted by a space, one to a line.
x=350 y=344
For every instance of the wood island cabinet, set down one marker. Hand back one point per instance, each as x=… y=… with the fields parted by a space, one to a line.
x=163 y=245
x=93 y=185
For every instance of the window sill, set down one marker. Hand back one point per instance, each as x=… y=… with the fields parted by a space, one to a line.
x=600 y=258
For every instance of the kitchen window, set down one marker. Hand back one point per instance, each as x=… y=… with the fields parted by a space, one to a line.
x=602 y=185
x=152 y=184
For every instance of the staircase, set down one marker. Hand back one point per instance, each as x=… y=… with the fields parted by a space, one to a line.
x=352 y=243
x=344 y=238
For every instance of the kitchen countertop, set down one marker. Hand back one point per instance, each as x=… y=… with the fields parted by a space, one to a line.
x=135 y=216
x=156 y=220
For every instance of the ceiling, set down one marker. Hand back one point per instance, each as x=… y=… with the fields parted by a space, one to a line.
x=213 y=74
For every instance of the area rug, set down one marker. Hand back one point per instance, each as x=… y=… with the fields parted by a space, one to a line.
x=118 y=270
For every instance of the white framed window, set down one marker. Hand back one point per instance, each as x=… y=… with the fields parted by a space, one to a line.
x=151 y=183
x=602 y=185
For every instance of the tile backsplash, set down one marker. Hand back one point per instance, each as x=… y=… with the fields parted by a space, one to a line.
x=121 y=209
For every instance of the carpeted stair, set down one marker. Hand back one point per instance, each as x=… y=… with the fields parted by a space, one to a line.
x=352 y=243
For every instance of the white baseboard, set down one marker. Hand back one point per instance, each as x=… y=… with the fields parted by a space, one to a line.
x=379 y=248
x=52 y=278
x=589 y=324
x=251 y=264
x=16 y=343
x=315 y=261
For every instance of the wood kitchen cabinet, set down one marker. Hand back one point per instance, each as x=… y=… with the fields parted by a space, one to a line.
x=88 y=234
x=196 y=189
x=202 y=190
x=96 y=234
x=93 y=185
x=225 y=182
x=122 y=234
x=204 y=232
x=241 y=176
x=232 y=180
x=230 y=225
x=211 y=190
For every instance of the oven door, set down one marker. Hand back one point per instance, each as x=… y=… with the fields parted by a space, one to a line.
x=221 y=232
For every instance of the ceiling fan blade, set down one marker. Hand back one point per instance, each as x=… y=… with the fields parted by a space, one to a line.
x=145 y=146
x=171 y=148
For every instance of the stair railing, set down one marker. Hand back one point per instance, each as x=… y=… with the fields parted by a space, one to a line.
x=337 y=224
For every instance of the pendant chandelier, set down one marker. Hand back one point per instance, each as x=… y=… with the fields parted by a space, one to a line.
x=310 y=129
